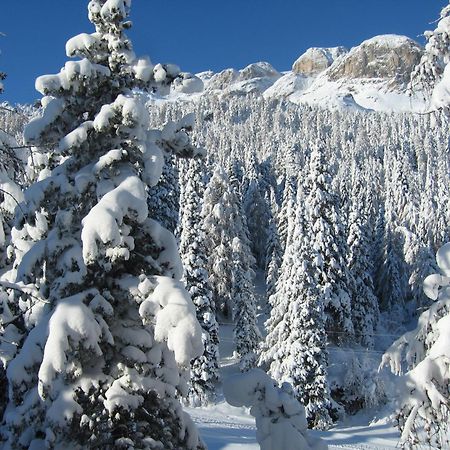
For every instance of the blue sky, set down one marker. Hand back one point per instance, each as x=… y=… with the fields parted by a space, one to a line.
x=202 y=34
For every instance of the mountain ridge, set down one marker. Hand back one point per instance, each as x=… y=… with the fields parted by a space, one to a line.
x=372 y=76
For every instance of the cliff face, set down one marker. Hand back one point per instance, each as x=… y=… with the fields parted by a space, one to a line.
x=315 y=60
x=387 y=57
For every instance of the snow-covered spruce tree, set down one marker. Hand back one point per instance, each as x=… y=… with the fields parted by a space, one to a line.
x=10 y=197
x=257 y=213
x=423 y=409
x=236 y=176
x=164 y=198
x=365 y=312
x=11 y=178
x=274 y=253
x=246 y=332
x=391 y=280
x=107 y=327
x=329 y=247
x=205 y=368
x=430 y=70
x=286 y=212
x=222 y=222
x=280 y=418
x=295 y=345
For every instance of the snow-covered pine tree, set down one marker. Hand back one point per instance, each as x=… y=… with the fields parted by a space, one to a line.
x=205 y=368
x=286 y=213
x=274 y=253
x=235 y=175
x=10 y=197
x=365 y=311
x=423 y=353
x=295 y=345
x=11 y=178
x=164 y=198
x=246 y=332
x=391 y=281
x=329 y=247
x=420 y=241
x=106 y=327
x=257 y=213
x=222 y=222
x=430 y=70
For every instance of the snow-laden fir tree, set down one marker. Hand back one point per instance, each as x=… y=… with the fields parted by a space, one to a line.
x=205 y=368
x=222 y=222
x=295 y=345
x=10 y=197
x=164 y=198
x=235 y=173
x=11 y=180
x=257 y=213
x=419 y=248
x=365 y=311
x=274 y=253
x=246 y=332
x=329 y=247
x=286 y=213
x=391 y=280
x=423 y=353
x=430 y=70
x=106 y=329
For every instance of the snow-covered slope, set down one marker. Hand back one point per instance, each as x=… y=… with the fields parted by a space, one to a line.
x=371 y=76
x=224 y=427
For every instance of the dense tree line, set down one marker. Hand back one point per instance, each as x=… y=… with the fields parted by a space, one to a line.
x=341 y=212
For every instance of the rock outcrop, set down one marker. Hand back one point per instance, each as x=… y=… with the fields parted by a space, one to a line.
x=315 y=60
x=255 y=77
x=388 y=57
x=258 y=70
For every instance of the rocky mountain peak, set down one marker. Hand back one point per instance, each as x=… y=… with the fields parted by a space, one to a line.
x=317 y=59
x=387 y=57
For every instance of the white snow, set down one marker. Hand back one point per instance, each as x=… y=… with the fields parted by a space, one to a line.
x=12 y=194
x=143 y=69
x=54 y=108
x=102 y=224
x=443 y=259
x=63 y=408
x=77 y=45
x=388 y=40
x=175 y=322
x=76 y=137
x=107 y=159
x=71 y=321
x=225 y=427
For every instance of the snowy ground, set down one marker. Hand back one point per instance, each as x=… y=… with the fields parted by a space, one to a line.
x=224 y=427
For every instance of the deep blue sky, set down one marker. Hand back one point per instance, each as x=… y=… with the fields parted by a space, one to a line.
x=202 y=34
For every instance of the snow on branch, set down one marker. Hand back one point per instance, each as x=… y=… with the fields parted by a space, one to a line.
x=175 y=319
x=72 y=324
x=102 y=224
x=280 y=418
x=424 y=409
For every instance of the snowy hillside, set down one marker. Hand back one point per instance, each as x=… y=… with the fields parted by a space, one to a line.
x=236 y=260
x=371 y=76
